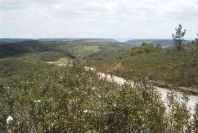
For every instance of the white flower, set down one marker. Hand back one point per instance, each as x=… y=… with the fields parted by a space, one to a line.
x=37 y=101
x=85 y=111
x=50 y=62
x=9 y=119
x=92 y=69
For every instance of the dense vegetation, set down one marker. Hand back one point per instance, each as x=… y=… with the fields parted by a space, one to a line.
x=165 y=65
x=171 y=67
x=71 y=99
x=71 y=48
x=44 y=87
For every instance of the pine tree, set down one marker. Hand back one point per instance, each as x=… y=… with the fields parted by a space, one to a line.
x=196 y=41
x=178 y=37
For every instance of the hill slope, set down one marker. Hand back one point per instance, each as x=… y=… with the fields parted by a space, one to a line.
x=162 y=42
x=72 y=48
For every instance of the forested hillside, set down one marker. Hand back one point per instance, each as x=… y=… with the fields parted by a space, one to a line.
x=165 y=66
x=84 y=47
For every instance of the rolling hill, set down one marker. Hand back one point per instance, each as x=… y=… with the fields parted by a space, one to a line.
x=73 y=48
x=162 y=42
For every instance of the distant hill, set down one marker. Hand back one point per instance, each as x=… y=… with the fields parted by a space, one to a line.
x=162 y=42
x=93 y=48
x=73 y=48
x=57 y=39
x=94 y=40
x=82 y=40
x=29 y=46
x=12 y=40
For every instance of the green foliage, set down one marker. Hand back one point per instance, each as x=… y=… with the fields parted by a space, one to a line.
x=71 y=99
x=195 y=42
x=22 y=64
x=178 y=37
x=164 y=65
x=195 y=120
x=178 y=118
x=85 y=50
x=44 y=97
x=144 y=48
x=69 y=48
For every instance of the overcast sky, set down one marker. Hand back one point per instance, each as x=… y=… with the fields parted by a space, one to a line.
x=97 y=18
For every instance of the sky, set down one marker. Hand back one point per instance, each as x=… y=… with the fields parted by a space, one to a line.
x=97 y=18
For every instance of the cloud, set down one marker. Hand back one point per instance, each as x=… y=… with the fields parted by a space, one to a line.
x=97 y=18
x=12 y=4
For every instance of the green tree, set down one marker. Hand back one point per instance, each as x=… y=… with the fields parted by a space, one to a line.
x=178 y=37
x=196 y=41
